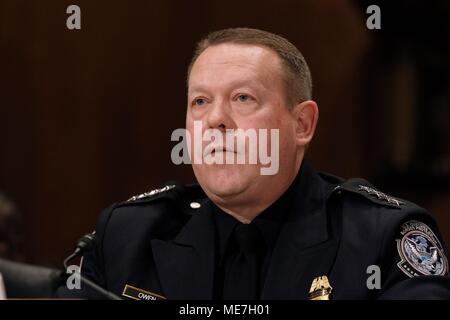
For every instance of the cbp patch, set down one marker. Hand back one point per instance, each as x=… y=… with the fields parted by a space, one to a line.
x=420 y=251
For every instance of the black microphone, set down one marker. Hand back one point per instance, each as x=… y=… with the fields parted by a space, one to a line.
x=84 y=244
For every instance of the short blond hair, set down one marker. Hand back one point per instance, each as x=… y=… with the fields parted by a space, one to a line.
x=296 y=73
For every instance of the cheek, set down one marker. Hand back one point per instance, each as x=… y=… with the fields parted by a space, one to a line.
x=189 y=125
x=286 y=136
x=196 y=113
x=271 y=115
x=258 y=122
x=287 y=139
x=270 y=121
x=273 y=119
x=189 y=118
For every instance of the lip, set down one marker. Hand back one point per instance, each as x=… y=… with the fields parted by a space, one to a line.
x=210 y=149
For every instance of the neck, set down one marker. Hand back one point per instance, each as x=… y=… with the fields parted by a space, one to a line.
x=245 y=209
x=242 y=214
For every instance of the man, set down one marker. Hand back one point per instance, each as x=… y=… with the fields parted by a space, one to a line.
x=240 y=234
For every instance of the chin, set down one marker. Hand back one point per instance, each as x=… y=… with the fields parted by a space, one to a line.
x=223 y=181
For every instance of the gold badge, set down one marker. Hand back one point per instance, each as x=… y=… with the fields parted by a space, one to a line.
x=139 y=294
x=320 y=289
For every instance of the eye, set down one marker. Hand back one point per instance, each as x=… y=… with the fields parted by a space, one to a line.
x=244 y=98
x=199 y=102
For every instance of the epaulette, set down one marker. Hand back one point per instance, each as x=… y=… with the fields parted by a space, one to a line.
x=152 y=193
x=365 y=189
x=188 y=198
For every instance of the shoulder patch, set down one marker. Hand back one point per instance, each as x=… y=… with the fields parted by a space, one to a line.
x=364 y=188
x=151 y=193
x=420 y=251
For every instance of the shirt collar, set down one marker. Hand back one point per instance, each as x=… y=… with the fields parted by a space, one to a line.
x=268 y=222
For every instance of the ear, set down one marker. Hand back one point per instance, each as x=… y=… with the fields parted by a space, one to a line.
x=306 y=115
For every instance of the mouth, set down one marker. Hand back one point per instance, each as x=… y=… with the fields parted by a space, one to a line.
x=216 y=149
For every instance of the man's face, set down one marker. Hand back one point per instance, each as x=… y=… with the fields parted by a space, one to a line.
x=235 y=86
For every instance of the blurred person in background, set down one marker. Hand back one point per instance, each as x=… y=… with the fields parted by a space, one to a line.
x=10 y=230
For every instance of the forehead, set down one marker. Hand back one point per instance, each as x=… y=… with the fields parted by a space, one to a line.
x=234 y=63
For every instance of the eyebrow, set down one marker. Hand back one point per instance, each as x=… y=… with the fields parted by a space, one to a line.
x=236 y=83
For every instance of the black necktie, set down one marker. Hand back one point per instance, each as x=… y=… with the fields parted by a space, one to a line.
x=243 y=263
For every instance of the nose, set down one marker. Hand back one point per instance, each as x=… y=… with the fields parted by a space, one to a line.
x=219 y=116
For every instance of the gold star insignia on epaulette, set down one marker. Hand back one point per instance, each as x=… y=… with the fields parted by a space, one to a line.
x=380 y=195
x=151 y=193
